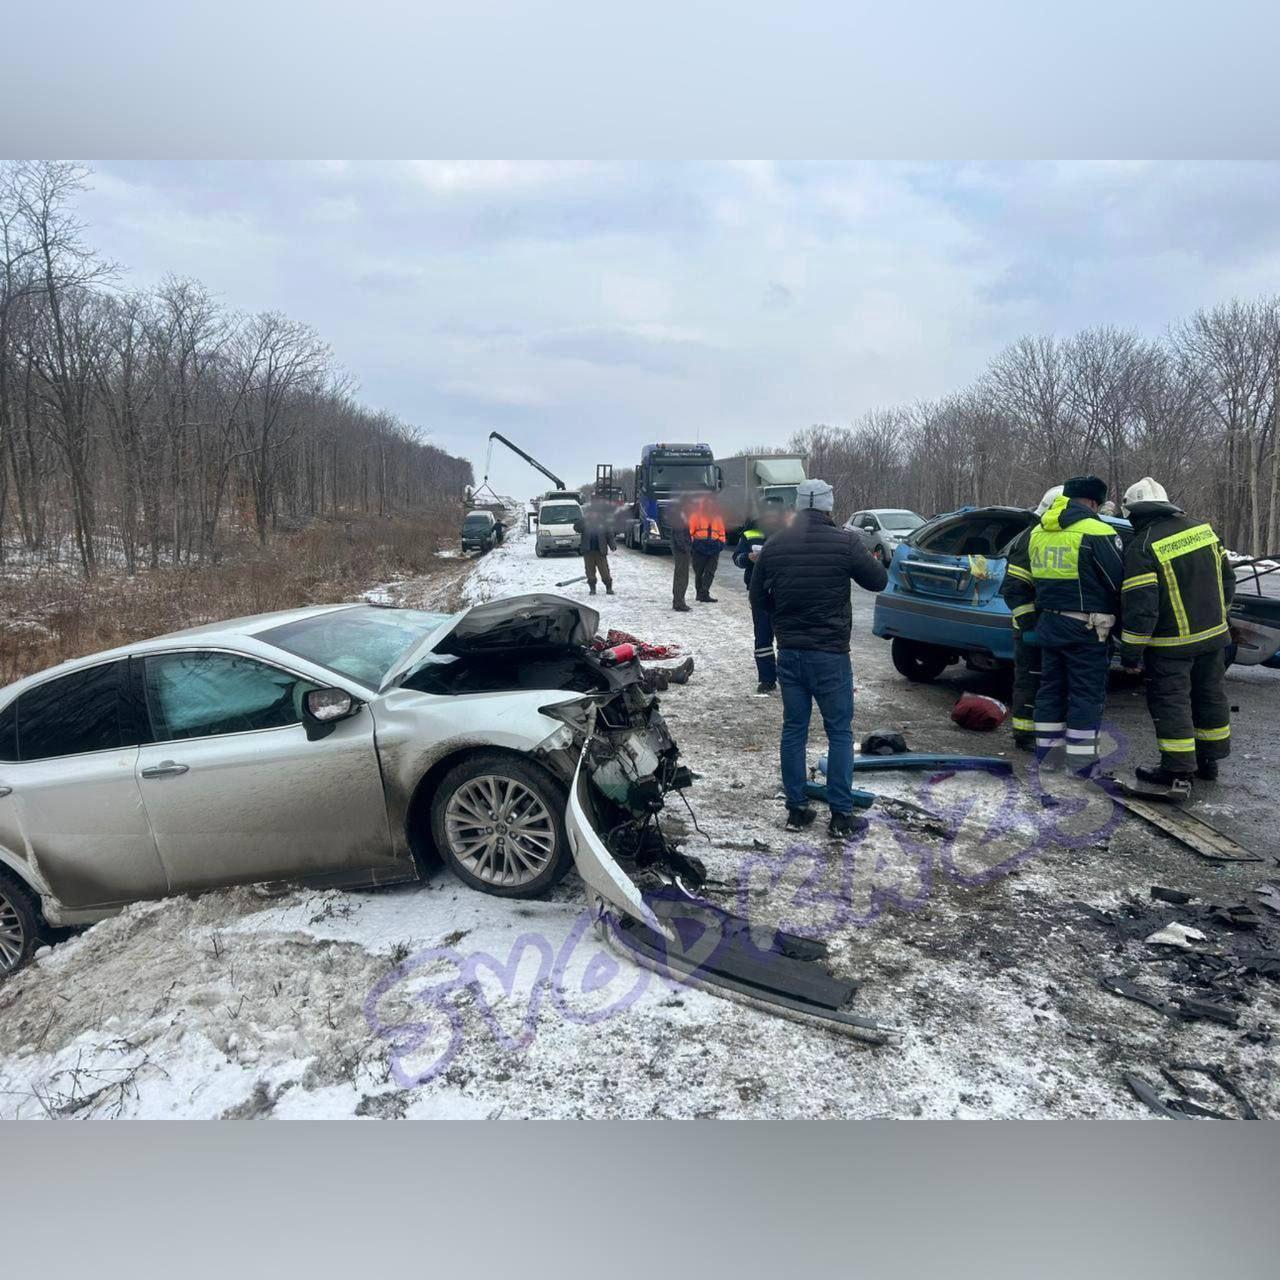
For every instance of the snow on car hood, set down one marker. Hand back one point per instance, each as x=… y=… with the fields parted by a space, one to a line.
x=538 y=621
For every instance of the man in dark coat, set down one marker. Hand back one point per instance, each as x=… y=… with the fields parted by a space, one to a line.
x=1178 y=585
x=750 y=545
x=681 y=554
x=595 y=530
x=801 y=579
x=1069 y=573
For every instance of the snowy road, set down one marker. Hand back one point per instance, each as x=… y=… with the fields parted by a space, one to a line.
x=435 y=1001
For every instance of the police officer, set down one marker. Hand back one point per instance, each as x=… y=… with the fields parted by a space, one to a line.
x=1070 y=572
x=745 y=554
x=1026 y=652
x=1177 y=587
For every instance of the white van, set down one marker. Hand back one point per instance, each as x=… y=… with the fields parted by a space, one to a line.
x=556 y=518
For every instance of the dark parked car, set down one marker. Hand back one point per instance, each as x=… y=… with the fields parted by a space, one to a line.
x=480 y=531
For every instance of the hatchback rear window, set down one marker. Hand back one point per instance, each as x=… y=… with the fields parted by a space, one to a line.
x=980 y=534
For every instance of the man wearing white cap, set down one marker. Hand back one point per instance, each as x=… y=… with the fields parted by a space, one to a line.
x=1177 y=587
x=801 y=579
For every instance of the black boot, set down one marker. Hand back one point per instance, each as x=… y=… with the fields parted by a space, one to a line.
x=1159 y=776
x=843 y=825
x=591 y=587
x=681 y=607
x=609 y=590
x=1024 y=741
x=1207 y=770
x=798 y=819
x=766 y=686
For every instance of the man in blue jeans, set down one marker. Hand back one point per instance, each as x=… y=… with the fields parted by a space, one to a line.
x=802 y=579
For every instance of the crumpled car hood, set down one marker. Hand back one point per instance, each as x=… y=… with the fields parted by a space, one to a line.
x=538 y=621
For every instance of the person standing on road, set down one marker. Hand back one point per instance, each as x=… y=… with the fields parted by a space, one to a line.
x=1026 y=650
x=595 y=530
x=1069 y=573
x=1178 y=585
x=707 y=538
x=681 y=554
x=801 y=579
x=745 y=554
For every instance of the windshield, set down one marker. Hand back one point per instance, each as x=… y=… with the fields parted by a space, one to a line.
x=558 y=513
x=900 y=521
x=362 y=642
x=780 y=496
x=476 y=522
x=670 y=477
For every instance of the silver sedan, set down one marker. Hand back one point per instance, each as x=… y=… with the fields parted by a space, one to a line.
x=345 y=746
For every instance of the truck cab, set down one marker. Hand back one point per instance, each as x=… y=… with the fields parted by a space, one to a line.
x=666 y=474
x=557 y=515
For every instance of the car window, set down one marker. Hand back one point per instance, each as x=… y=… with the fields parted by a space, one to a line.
x=870 y=524
x=900 y=521
x=561 y=514
x=980 y=534
x=201 y=694
x=72 y=715
x=363 y=643
x=9 y=731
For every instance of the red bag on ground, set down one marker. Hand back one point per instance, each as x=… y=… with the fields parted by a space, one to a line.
x=977 y=711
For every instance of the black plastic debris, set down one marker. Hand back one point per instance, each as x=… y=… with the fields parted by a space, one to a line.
x=884 y=742
x=1190 y=1102
x=1170 y=895
x=1269 y=897
x=1146 y=1093
x=1193 y=1009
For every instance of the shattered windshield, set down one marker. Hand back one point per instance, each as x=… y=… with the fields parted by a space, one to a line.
x=362 y=643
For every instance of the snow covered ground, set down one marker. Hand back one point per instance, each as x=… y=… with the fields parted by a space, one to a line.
x=432 y=1000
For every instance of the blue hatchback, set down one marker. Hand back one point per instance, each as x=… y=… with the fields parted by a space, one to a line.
x=943 y=601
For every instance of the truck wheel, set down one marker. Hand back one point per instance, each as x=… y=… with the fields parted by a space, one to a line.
x=498 y=823
x=19 y=923
x=919 y=662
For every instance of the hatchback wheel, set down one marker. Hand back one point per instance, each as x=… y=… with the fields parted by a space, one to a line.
x=19 y=924
x=919 y=662
x=498 y=822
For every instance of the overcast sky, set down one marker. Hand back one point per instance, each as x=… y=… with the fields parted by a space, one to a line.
x=584 y=309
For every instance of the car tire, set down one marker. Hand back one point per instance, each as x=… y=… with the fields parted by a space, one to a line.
x=19 y=924
x=474 y=856
x=538 y=551
x=919 y=662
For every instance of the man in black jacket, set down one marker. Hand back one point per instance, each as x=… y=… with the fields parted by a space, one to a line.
x=801 y=578
x=595 y=532
x=1178 y=585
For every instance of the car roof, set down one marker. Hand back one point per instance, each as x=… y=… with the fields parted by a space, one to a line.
x=232 y=629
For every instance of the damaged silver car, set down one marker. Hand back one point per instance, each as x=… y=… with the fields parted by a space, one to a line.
x=344 y=746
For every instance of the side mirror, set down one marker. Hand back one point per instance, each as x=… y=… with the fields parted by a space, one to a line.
x=323 y=708
x=719 y=477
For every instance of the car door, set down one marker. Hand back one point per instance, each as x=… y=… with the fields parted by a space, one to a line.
x=69 y=801
x=235 y=790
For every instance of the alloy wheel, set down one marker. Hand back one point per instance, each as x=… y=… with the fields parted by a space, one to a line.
x=12 y=938
x=499 y=830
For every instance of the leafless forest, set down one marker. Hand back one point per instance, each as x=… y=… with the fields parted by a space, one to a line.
x=145 y=429
x=1197 y=409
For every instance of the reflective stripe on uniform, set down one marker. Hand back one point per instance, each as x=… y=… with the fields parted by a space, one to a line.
x=1176 y=744
x=1132 y=637
x=1173 y=642
x=1139 y=580
x=1214 y=735
x=1180 y=544
x=1019 y=572
x=1050 y=726
x=1024 y=608
x=1023 y=726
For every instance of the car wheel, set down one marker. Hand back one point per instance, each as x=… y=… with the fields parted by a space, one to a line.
x=498 y=823
x=19 y=924
x=538 y=551
x=919 y=662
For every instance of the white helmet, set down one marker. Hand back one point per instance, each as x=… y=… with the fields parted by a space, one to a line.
x=1050 y=497
x=1146 y=490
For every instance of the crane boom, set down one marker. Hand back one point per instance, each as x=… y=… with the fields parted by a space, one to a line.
x=515 y=448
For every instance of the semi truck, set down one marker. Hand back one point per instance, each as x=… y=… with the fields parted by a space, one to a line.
x=754 y=482
x=665 y=475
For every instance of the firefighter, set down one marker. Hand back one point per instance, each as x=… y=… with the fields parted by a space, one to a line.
x=745 y=554
x=1069 y=572
x=1178 y=584
x=707 y=541
x=1026 y=652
